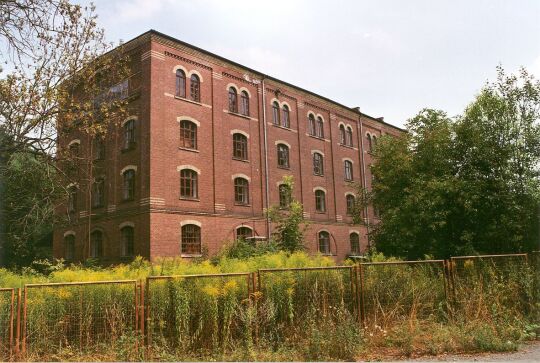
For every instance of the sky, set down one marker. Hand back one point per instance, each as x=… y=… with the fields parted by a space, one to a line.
x=390 y=58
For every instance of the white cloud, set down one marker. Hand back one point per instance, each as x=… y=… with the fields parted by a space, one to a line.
x=534 y=68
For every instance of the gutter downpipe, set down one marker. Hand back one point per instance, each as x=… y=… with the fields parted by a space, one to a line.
x=266 y=177
x=366 y=210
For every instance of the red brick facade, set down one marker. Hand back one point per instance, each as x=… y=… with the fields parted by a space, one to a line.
x=158 y=212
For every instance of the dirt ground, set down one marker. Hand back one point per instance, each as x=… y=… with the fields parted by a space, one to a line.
x=528 y=352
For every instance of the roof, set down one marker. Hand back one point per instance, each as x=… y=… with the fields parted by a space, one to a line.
x=261 y=74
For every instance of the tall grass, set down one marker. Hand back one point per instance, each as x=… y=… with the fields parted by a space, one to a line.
x=303 y=314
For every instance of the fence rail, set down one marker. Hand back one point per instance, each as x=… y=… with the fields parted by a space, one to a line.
x=190 y=314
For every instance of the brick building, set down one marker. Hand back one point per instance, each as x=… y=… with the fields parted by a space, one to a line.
x=203 y=154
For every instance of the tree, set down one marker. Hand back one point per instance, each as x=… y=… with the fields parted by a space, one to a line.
x=466 y=185
x=288 y=220
x=58 y=78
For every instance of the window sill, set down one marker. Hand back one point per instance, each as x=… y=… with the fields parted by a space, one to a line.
x=241 y=160
x=320 y=212
x=329 y=254
x=315 y=174
x=188 y=149
x=284 y=167
x=128 y=149
x=239 y=115
x=242 y=204
x=187 y=255
x=348 y=180
x=188 y=100
x=282 y=127
x=187 y=199
x=347 y=146
x=316 y=137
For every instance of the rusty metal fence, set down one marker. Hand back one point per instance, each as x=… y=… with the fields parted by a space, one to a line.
x=394 y=291
x=198 y=315
x=79 y=318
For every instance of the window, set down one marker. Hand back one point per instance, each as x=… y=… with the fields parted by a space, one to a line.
x=128 y=192
x=320 y=128
x=243 y=233
x=342 y=139
x=240 y=147
x=195 y=88
x=354 y=238
x=283 y=156
x=191 y=239
x=348 y=170
x=318 y=168
x=244 y=98
x=374 y=139
x=128 y=245
x=370 y=144
x=188 y=184
x=188 y=134
x=349 y=137
x=324 y=242
x=180 y=83
x=129 y=135
x=98 y=193
x=96 y=244
x=284 y=196
x=72 y=199
x=241 y=191
x=285 y=121
x=376 y=212
x=311 y=124
x=320 y=201
x=350 y=204
x=275 y=113
x=99 y=148
x=69 y=247
x=233 y=100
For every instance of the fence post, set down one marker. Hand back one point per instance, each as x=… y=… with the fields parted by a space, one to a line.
x=136 y=313
x=362 y=302
x=18 y=324
x=149 y=326
x=141 y=312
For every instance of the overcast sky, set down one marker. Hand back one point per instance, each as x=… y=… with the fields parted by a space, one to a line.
x=391 y=58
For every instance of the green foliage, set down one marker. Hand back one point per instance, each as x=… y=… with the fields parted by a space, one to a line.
x=241 y=248
x=466 y=185
x=288 y=221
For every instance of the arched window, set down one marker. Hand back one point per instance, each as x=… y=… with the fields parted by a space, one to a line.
x=188 y=184
x=342 y=138
x=98 y=193
x=69 y=247
x=74 y=150
x=243 y=233
x=240 y=147
x=180 y=83
x=244 y=97
x=129 y=135
x=128 y=243
x=188 y=134
x=311 y=124
x=195 y=88
x=350 y=204
x=128 y=192
x=275 y=113
x=191 y=239
x=283 y=155
x=349 y=136
x=354 y=238
x=241 y=191
x=233 y=100
x=98 y=148
x=374 y=139
x=96 y=244
x=285 y=121
x=72 y=199
x=324 y=243
x=318 y=166
x=320 y=127
x=320 y=201
x=348 y=170
x=284 y=196
x=370 y=144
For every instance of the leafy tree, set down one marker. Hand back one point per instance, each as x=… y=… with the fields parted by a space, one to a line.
x=288 y=221
x=466 y=185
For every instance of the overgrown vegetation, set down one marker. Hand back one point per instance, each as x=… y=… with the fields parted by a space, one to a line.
x=488 y=305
